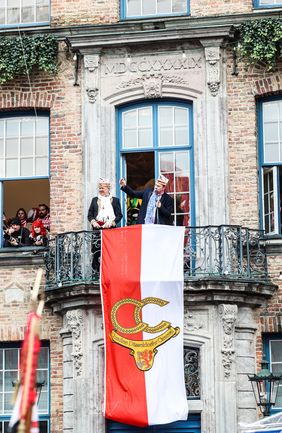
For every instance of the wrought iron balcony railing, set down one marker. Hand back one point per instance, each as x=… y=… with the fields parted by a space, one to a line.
x=221 y=252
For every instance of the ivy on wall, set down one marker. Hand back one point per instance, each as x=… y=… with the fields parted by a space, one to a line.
x=261 y=41
x=21 y=54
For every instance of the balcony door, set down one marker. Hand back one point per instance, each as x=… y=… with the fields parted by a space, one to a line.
x=157 y=138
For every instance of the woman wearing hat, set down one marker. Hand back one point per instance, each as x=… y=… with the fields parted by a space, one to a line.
x=104 y=213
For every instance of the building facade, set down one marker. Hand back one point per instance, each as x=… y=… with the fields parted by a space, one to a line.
x=145 y=87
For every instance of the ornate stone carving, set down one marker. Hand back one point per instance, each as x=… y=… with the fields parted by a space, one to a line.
x=228 y=315
x=152 y=83
x=212 y=55
x=91 y=65
x=92 y=95
x=73 y=322
x=192 y=322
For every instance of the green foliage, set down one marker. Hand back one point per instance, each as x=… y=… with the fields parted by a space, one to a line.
x=21 y=55
x=261 y=40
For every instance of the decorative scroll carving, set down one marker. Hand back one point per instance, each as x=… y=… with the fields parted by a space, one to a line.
x=91 y=65
x=212 y=55
x=228 y=315
x=152 y=83
x=73 y=321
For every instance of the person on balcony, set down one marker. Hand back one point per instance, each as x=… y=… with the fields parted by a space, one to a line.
x=22 y=216
x=16 y=236
x=38 y=234
x=104 y=213
x=44 y=215
x=157 y=205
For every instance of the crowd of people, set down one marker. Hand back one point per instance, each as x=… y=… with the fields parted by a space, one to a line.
x=27 y=228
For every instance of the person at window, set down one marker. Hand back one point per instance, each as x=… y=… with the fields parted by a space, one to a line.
x=15 y=235
x=38 y=234
x=157 y=205
x=104 y=213
x=32 y=214
x=44 y=215
x=22 y=216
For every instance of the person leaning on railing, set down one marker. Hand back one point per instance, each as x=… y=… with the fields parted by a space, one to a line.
x=15 y=235
x=104 y=213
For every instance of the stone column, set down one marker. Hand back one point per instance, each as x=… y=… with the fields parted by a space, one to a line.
x=245 y=346
x=91 y=127
x=225 y=376
x=216 y=134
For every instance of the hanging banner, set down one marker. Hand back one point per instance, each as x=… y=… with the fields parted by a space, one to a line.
x=142 y=295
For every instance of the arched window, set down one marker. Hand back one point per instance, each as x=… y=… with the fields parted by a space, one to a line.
x=157 y=138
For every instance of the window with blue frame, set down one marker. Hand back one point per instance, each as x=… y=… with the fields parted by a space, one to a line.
x=147 y=8
x=24 y=12
x=9 y=375
x=157 y=138
x=270 y=158
x=272 y=347
x=24 y=162
x=267 y=3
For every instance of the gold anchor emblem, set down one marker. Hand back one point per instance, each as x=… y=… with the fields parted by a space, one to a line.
x=143 y=351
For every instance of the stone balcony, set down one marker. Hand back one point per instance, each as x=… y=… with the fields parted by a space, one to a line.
x=221 y=263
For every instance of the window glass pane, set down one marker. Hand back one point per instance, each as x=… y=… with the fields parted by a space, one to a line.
x=277 y=368
x=26 y=167
x=276 y=351
x=9 y=378
x=41 y=146
x=179 y=6
x=2 y=167
x=1 y=148
x=270 y=111
x=133 y=7
x=181 y=116
x=145 y=117
x=1 y=380
x=181 y=137
x=166 y=162
x=27 y=146
x=42 y=376
x=1 y=359
x=166 y=137
x=2 y=124
x=11 y=167
x=166 y=116
x=271 y=132
x=145 y=138
x=27 y=128
x=8 y=406
x=130 y=119
x=12 y=128
x=2 y=15
x=42 y=126
x=1 y=406
x=43 y=403
x=182 y=182
x=11 y=359
x=13 y=11
x=43 y=358
x=279 y=398
x=130 y=138
x=42 y=10
x=27 y=11
x=181 y=161
x=12 y=147
x=41 y=166
x=164 y=7
x=149 y=7
x=271 y=152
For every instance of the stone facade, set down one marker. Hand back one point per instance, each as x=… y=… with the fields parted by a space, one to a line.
x=157 y=59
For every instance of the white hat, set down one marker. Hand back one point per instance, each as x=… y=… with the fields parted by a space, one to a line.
x=104 y=181
x=162 y=179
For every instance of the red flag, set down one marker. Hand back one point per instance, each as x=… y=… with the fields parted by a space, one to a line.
x=23 y=414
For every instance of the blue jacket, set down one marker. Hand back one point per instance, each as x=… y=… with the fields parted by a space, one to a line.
x=163 y=213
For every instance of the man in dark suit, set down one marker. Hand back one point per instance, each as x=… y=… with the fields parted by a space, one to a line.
x=157 y=205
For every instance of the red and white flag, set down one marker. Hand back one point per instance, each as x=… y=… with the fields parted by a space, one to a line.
x=142 y=295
